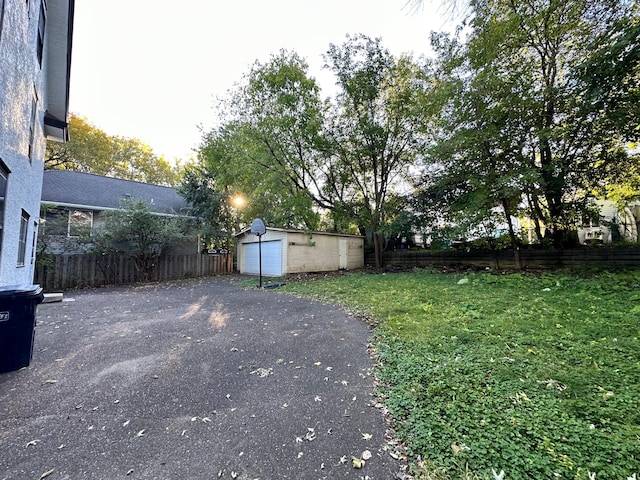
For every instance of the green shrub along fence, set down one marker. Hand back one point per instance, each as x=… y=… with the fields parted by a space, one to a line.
x=608 y=257
x=77 y=271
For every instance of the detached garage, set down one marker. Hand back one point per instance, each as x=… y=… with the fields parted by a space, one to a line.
x=287 y=251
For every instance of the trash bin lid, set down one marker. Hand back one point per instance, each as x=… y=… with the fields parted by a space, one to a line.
x=21 y=290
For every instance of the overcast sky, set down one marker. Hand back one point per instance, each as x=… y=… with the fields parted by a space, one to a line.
x=151 y=69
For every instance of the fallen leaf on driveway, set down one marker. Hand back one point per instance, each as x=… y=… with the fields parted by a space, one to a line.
x=47 y=473
x=366 y=455
x=367 y=436
x=141 y=433
x=262 y=372
x=357 y=462
x=32 y=443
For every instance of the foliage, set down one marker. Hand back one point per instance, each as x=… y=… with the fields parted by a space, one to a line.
x=302 y=162
x=521 y=121
x=213 y=208
x=536 y=375
x=377 y=128
x=144 y=236
x=91 y=150
x=267 y=147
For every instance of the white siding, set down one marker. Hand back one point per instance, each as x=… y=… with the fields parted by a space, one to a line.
x=271 y=258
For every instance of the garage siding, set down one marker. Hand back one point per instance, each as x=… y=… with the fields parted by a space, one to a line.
x=315 y=252
x=301 y=252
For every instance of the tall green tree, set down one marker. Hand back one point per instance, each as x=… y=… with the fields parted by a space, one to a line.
x=523 y=115
x=377 y=130
x=210 y=205
x=91 y=150
x=302 y=161
x=269 y=146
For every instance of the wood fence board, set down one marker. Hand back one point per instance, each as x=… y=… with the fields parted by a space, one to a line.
x=530 y=258
x=77 y=271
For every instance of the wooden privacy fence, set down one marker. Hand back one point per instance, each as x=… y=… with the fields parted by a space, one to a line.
x=621 y=257
x=78 y=271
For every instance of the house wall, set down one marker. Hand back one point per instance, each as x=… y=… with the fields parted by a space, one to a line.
x=21 y=81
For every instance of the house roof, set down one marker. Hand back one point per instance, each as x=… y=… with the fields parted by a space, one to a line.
x=96 y=192
x=59 y=36
x=247 y=231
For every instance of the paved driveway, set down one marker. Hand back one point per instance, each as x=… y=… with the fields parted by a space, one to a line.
x=193 y=380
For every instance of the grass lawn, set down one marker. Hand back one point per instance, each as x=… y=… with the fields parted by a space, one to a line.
x=536 y=375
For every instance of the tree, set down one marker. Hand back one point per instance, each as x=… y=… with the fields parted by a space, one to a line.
x=91 y=150
x=522 y=115
x=377 y=131
x=142 y=235
x=269 y=146
x=300 y=160
x=211 y=207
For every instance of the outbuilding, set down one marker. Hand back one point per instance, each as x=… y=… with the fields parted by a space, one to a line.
x=286 y=251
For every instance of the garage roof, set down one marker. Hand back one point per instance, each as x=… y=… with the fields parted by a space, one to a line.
x=293 y=230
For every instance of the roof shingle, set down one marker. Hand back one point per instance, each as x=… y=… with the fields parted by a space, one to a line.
x=96 y=192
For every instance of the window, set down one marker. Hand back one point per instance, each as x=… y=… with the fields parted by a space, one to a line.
x=56 y=222
x=32 y=126
x=41 y=26
x=80 y=222
x=1 y=17
x=22 y=241
x=4 y=177
x=72 y=223
x=34 y=242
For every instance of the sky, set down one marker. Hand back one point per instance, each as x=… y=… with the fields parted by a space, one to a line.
x=152 y=69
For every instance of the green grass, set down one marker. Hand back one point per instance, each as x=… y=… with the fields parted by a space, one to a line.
x=538 y=376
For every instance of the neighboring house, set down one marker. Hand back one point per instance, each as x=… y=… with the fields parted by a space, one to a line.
x=613 y=225
x=286 y=251
x=73 y=202
x=35 y=63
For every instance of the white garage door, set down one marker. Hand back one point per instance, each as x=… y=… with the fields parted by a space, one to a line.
x=271 y=258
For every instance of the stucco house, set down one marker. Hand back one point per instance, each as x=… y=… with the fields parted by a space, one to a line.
x=73 y=202
x=35 y=64
x=286 y=251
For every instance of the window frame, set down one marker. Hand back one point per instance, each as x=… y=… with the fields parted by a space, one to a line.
x=1 y=17
x=23 y=238
x=32 y=126
x=4 y=182
x=42 y=23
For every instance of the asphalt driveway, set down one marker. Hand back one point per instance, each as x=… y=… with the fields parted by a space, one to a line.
x=199 y=379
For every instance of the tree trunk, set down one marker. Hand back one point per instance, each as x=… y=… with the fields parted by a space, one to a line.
x=512 y=235
x=377 y=248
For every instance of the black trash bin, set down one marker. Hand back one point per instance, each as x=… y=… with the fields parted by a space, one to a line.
x=18 y=304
